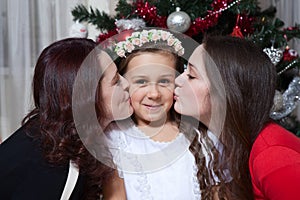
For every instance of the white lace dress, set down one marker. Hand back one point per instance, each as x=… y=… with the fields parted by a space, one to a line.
x=151 y=169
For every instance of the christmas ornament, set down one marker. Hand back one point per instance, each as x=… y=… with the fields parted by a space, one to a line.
x=129 y=24
x=274 y=54
x=290 y=98
x=237 y=29
x=179 y=21
x=289 y=54
x=78 y=30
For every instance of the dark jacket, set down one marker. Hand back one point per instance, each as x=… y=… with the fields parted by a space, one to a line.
x=24 y=173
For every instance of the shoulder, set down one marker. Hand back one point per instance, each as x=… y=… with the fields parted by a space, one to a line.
x=275 y=148
x=23 y=167
x=274 y=163
x=275 y=136
x=17 y=146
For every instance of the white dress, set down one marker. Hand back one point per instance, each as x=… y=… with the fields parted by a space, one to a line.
x=151 y=169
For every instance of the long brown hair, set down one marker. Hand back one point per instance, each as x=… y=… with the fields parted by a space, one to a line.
x=53 y=81
x=249 y=79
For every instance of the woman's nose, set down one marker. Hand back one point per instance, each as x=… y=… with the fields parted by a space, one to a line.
x=179 y=80
x=125 y=83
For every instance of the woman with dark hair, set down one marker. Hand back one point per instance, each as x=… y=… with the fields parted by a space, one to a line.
x=229 y=87
x=41 y=159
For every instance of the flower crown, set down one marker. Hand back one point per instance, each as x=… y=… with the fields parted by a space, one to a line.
x=145 y=36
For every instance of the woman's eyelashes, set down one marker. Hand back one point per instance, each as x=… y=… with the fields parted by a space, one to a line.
x=116 y=79
x=190 y=76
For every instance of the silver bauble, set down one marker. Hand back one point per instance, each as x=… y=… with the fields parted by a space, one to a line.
x=179 y=21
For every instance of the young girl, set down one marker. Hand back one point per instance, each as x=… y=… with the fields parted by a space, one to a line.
x=152 y=153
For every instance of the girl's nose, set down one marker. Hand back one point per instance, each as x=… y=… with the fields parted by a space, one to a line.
x=153 y=91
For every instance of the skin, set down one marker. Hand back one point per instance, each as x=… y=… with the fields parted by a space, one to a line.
x=115 y=92
x=192 y=93
x=151 y=92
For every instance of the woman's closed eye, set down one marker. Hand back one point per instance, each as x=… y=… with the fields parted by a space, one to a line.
x=190 y=76
x=116 y=79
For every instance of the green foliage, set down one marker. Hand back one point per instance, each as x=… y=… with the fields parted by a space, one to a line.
x=100 y=19
x=124 y=10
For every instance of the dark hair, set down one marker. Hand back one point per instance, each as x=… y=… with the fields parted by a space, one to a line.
x=157 y=48
x=249 y=79
x=53 y=81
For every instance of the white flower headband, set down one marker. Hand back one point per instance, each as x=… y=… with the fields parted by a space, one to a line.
x=153 y=35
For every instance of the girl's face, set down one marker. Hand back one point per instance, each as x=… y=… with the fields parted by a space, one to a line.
x=114 y=89
x=151 y=77
x=192 y=92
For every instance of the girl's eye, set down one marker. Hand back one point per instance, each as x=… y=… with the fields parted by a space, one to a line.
x=164 y=82
x=141 y=81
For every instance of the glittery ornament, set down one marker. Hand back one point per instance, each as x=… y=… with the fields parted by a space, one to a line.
x=274 y=54
x=179 y=21
x=290 y=99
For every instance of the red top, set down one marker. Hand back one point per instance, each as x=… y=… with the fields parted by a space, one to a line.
x=275 y=164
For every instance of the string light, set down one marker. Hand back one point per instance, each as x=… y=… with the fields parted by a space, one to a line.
x=287 y=67
x=221 y=9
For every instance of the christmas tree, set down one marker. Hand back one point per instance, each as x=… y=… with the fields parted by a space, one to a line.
x=240 y=18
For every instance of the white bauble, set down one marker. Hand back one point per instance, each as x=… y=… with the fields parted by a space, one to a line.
x=179 y=21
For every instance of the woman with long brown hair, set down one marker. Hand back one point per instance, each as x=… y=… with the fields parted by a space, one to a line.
x=229 y=86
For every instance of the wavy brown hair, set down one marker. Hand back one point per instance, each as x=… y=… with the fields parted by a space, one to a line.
x=53 y=81
x=249 y=79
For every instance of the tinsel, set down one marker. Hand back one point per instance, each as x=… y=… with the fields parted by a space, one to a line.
x=201 y=24
x=129 y=24
x=149 y=14
x=104 y=36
